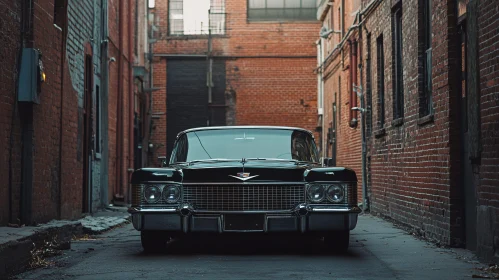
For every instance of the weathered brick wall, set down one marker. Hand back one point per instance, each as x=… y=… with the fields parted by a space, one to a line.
x=279 y=90
x=412 y=165
x=10 y=20
x=118 y=99
x=488 y=189
x=336 y=75
x=84 y=26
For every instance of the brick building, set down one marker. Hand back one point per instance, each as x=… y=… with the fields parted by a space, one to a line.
x=55 y=158
x=336 y=48
x=262 y=61
x=429 y=85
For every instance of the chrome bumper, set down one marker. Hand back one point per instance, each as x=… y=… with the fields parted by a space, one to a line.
x=304 y=218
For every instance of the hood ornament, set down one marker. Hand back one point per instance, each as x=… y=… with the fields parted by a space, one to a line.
x=243 y=176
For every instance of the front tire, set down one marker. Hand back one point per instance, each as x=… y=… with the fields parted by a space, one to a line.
x=153 y=241
x=338 y=241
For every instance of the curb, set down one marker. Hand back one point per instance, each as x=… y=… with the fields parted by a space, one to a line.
x=19 y=253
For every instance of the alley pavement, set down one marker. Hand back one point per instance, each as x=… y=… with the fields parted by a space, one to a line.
x=378 y=251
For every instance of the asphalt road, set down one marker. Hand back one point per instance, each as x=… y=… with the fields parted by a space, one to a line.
x=377 y=251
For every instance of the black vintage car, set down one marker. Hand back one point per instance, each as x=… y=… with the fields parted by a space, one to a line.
x=244 y=179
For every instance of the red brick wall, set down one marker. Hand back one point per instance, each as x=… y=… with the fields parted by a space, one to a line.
x=279 y=90
x=56 y=173
x=119 y=152
x=336 y=68
x=10 y=38
x=488 y=189
x=414 y=165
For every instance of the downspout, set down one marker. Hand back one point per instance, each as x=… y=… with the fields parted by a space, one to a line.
x=365 y=203
x=104 y=105
x=61 y=142
x=353 y=74
x=131 y=100
x=350 y=84
x=119 y=125
x=26 y=112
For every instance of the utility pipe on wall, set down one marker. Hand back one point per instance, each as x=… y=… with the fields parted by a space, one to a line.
x=131 y=104
x=353 y=97
x=118 y=190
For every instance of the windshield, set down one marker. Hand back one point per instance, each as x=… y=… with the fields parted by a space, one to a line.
x=245 y=143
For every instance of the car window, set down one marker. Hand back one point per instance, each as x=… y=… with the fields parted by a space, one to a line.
x=245 y=143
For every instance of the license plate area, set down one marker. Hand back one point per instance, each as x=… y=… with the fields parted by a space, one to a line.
x=244 y=222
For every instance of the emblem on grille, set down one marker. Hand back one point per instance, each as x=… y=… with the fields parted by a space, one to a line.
x=243 y=176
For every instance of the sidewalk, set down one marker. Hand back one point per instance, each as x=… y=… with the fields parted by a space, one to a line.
x=23 y=247
x=413 y=258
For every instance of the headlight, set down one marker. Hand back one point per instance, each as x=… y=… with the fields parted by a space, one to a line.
x=336 y=193
x=171 y=194
x=316 y=193
x=152 y=194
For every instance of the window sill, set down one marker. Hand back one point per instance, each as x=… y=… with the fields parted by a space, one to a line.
x=380 y=133
x=398 y=122
x=426 y=120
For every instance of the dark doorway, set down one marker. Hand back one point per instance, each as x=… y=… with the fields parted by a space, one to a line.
x=87 y=133
x=187 y=96
x=467 y=174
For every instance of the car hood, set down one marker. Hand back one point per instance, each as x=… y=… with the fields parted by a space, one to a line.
x=251 y=172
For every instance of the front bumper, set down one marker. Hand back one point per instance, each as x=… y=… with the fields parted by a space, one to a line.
x=304 y=218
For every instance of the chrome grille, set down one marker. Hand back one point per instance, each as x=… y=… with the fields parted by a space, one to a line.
x=243 y=197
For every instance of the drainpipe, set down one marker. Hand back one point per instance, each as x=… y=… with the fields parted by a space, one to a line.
x=104 y=105
x=119 y=124
x=365 y=202
x=350 y=84
x=131 y=100
x=353 y=74
x=27 y=130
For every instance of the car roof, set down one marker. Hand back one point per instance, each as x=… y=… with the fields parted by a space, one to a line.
x=244 y=127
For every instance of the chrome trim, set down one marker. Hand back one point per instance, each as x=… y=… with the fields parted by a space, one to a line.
x=310 y=208
x=243 y=127
x=135 y=210
x=244 y=183
x=337 y=210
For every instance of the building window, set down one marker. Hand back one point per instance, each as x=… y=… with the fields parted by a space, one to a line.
x=398 y=87
x=369 y=92
x=381 y=81
x=425 y=100
x=282 y=10
x=59 y=12
x=196 y=17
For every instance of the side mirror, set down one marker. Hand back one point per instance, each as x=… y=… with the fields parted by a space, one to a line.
x=327 y=162
x=162 y=160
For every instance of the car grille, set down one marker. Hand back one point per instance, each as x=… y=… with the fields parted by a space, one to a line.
x=243 y=197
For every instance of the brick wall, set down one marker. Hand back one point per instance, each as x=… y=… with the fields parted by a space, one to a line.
x=336 y=75
x=488 y=189
x=10 y=18
x=118 y=98
x=269 y=69
x=415 y=161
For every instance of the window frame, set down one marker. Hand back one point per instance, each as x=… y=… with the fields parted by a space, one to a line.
x=426 y=96
x=218 y=11
x=397 y=62
x=380 y=58
x=281 y=19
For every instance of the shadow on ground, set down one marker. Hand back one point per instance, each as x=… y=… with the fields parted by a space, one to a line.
x=251 y=245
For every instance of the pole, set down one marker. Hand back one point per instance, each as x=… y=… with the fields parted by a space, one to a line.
x=209 y=80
